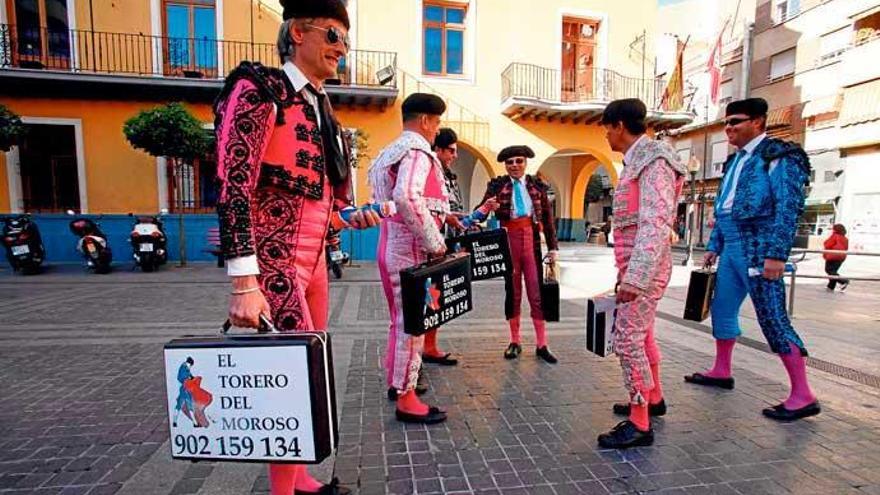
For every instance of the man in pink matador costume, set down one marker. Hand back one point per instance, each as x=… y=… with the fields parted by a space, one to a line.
x=644 y=212
x=284 y=169
x=408 y=173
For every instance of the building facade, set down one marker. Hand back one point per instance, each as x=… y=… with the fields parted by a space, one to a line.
x=75 y=70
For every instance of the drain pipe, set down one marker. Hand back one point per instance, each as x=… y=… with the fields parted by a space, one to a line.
x=746 y=64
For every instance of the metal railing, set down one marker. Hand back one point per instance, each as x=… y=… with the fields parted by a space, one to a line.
x=581 y=86
x=469 y=126
x=802 y=253
x=85 y=51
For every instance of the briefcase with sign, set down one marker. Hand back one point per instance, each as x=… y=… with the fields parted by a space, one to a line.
x=435 y=292
x=600 y=324
x=699 y=295
x=255 y=397
x=489 y=250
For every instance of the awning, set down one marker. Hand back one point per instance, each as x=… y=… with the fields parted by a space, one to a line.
x=779 y=117
x=818 y=201
x=822 y=104
x=860 y=104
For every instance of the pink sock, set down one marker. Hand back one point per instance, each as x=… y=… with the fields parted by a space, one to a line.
x=282 y=478
x=305 y=482
x=638 y=414
x=540 y=332
x=656 y=393
x=723 y=358
x=796 y=366
x=514 y=329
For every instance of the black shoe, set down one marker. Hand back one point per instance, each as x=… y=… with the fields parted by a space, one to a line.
x=444 y=360
x=393 y=392
x=513 y=351
x=626 y=435
x=780 y=413
x=544 y=353
x=331 y=488
x=433 y=416
x=658 y=409
x=701 y=379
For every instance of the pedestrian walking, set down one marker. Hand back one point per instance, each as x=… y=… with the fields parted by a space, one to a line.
x=836 y=242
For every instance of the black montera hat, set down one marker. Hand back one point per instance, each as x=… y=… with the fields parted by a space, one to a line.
x=753 y=107
x=513 y=151
x=423 y=103
x=304 y=9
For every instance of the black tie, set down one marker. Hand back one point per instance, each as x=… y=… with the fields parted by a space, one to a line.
x=334 y=159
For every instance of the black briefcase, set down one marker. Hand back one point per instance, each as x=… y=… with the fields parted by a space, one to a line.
x=489 y=250
x=435 y=292
x=550 y=292
x=252 y=397
x=699 y=295
x=600 y=324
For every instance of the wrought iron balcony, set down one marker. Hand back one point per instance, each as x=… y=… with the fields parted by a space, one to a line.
x=163 y=58
x=578 y=95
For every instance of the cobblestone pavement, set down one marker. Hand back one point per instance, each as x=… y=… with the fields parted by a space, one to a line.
x=82 y=397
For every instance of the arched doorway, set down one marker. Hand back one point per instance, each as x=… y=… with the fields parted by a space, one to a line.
x=473 y=172
x=569 y=171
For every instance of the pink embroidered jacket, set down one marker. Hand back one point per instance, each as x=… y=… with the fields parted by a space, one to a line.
x=644 y=210
x=409 y=173
x=267 y=137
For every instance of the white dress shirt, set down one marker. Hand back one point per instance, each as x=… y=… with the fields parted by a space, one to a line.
x=733 y=180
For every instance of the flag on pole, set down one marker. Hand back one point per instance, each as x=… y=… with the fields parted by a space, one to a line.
x=714 y=67
x=673 y=95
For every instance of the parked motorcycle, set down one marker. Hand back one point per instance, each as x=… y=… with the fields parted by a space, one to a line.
x=92 y=243
x=148 y=242
x=24 y=246
x=336 y=257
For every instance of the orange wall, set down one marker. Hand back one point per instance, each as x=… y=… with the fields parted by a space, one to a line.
x=119 y=179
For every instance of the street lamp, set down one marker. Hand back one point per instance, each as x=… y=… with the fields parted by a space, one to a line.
x=693 y=166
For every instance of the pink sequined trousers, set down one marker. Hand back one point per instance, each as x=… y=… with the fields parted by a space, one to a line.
x=398 y=250
x=634 y=341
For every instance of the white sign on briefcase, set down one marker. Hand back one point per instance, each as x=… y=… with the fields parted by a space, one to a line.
x=600 y=324
x=251 y=398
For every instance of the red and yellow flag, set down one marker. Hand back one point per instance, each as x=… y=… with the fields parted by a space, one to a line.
x=673 y=95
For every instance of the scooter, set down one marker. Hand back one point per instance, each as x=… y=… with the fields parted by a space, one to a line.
x=24 y=246
x=92 y=243
x=148 y=242
x=336 y=257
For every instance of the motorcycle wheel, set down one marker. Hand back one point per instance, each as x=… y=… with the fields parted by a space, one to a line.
x=337 y=270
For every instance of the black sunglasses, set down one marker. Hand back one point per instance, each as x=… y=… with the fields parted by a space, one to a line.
x=515 y=161
x=737 y=121
x=333 y=36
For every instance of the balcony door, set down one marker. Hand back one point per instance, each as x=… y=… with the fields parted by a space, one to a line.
x=579 y=38
x=190 y=38
x=39 y=33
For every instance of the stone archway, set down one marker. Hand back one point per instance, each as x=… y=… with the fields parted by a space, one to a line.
x=579 y=185
x=474 y=171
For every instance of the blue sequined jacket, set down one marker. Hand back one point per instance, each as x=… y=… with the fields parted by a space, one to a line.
x=769 y=199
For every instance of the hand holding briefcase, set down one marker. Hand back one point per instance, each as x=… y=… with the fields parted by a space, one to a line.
x=266 y=397
x=699 y=295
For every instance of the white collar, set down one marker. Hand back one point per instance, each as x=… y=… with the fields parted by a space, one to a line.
x=749 y=148
x=419 y=138
x=627 y=157
x=296 y=77
x=521 y=179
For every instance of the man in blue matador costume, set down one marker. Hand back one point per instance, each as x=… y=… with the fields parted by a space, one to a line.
x=756 y=213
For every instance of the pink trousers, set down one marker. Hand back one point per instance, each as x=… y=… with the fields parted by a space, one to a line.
x=398 y=250
x=634 y=341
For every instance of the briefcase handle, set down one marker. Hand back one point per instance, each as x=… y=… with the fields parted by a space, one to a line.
x=266 y=326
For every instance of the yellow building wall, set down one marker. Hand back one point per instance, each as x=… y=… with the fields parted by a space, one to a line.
x=119 y=179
